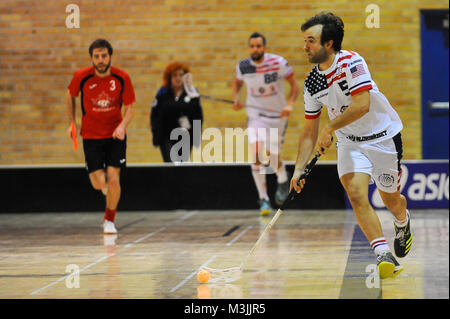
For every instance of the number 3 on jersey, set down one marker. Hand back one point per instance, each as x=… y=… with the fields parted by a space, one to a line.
x=113 y=85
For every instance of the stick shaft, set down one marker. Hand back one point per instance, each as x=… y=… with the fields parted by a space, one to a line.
x=188 y=83
x=266 y=230
x=280 y=210
x=231 y=102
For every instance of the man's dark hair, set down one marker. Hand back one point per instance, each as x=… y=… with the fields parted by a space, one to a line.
x=99 y=44
x=333 y=28
x=257 y=35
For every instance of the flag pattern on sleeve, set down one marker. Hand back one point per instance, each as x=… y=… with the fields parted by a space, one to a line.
x=357 y=70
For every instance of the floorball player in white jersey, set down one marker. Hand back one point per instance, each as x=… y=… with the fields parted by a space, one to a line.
x=369 y=145
x=264 y=75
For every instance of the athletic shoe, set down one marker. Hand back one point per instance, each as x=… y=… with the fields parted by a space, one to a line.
x=403 y=239
x=282 y=193
x=388 y=266
x=265 y=207
x=109 y=228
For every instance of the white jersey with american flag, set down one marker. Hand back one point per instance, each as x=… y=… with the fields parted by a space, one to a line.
x=335 y=87
x=264 y=83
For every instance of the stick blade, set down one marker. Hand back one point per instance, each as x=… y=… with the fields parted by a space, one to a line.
x=223 y=275
x=188 y=83
x=74 y=137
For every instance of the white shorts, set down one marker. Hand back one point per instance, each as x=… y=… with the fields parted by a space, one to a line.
x=379 y=160
x=270 y=131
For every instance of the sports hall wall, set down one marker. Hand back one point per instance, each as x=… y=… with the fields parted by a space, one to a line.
x=38 y=55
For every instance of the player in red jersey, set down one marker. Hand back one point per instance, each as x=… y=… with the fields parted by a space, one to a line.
x=104 y=89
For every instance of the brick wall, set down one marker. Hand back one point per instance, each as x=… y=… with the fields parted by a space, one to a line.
x=38 y=56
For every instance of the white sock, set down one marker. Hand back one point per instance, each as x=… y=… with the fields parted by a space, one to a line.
x=282 y=174
x=379 y=245
x=260 y=182
x=402 y=223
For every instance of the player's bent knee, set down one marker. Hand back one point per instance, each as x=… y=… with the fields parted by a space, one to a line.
x=358 y=201
x=98 y=185
x=97 y=179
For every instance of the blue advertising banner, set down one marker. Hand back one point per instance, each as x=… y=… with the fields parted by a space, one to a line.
x=423 y=183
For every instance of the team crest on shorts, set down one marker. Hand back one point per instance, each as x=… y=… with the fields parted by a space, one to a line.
x=387 y=180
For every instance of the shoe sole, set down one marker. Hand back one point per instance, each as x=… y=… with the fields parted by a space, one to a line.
x=265 y=212
x=397 y=272
x=386 y=270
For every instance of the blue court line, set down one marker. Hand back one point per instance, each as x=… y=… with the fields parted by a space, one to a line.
x=359 y=281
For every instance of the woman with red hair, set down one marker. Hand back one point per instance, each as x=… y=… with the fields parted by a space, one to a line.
x=172 y=116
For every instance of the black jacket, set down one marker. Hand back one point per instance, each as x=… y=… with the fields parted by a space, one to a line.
x=166 y=112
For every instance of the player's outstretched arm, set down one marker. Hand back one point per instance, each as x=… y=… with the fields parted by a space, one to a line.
x=306 y=145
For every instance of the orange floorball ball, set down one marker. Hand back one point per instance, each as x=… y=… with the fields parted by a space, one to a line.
x=203 y=276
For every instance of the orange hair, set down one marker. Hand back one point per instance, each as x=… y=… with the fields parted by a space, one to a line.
x=170 y=69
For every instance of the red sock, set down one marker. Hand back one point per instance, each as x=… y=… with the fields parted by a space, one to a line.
x=110 y=214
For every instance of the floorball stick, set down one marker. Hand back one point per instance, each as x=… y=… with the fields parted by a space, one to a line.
x=192 y=92
x=74 y=137
x=234 y=273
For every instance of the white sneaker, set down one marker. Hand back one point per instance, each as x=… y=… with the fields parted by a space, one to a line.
x=109 y=228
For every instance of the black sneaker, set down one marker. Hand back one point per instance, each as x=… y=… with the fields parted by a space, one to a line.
x=388 y=266
x=403 y=239
x=282 y=193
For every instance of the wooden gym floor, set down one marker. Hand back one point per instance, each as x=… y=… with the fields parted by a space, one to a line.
x=307 y=254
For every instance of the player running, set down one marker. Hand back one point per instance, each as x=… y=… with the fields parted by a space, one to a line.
x=104 y=89
x=369 y=144
x=264 y=74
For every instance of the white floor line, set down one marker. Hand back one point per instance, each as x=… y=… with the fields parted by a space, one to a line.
x=110 y=255
x=145 y=237
x=181 y=283
x=239 y=236
x=186 y=216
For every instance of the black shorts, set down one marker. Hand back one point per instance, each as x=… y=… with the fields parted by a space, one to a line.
x=100 y=153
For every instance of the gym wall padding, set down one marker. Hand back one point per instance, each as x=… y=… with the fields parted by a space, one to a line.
x=160 y=187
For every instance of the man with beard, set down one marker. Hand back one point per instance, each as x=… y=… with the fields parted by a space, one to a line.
x=369 y=144
x=104 y=89
x=264 y=74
